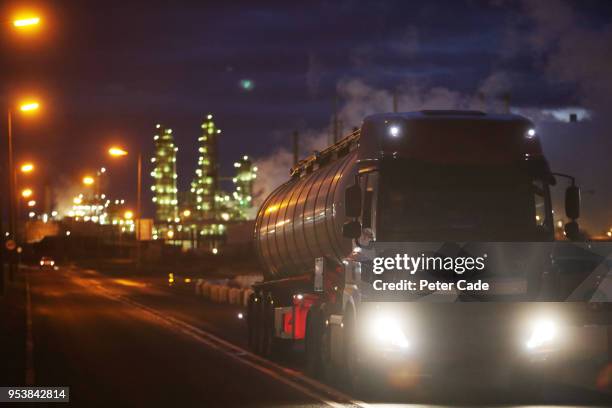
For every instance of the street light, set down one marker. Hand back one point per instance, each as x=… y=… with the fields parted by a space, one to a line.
x=29 y=106
x=26 y=193
x=26 y=107
x=22 y=23
x=27 y=168
x=88 y=180
x=26 y=22
x=116 y=151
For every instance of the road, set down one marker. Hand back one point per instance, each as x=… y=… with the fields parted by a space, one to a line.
x=137 y=342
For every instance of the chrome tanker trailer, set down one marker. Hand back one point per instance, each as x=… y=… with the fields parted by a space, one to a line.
x=429 y=176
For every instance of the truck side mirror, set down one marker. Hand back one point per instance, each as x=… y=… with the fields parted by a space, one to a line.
x=351 y=229
x=352 y=201
x=572 y=202
x=572 y=231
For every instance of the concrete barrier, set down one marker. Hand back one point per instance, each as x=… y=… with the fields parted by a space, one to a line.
x=205 y=290
x=223 y=294
x=214 y=293
x=198 y=286
x=246 y=293
x=234 y=296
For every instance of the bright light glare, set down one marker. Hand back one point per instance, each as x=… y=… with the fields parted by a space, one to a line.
x=543 y=332
x=128 y=215
x=215 y=251
x=25 y=22
x=394 y=131
x=88 y=180
x=29 y=106
x=531 y=133
x=117 y=151
x=31 y=203
x=26 y=193
x=387 y=330
x=27 y=167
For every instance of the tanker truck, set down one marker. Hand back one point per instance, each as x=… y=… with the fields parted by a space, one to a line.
x=428 y=176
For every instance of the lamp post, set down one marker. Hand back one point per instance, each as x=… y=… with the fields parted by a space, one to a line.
x=12 y=175
x=20 y=24
x=120 y=152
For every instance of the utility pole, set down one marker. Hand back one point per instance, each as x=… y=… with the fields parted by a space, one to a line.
x=335 y=135
x=481 y=101
x=296 y=147
x=395 y=110
x=138 y=212
x=2 y=248
x=506 y=98
x=12 y=196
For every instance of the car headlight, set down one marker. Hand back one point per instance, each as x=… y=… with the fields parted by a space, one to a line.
x=387 y=331
x=543 y=333
x=41 y=263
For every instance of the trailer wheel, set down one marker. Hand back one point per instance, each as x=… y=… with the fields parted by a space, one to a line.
x=256 y=326
x=267 y=326
x=252 y=322
x=312 y=343
x=351 y=369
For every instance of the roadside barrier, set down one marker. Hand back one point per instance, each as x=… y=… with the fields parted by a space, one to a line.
x=214 y=293
x=245 y=296
x=205 y=290
x=222 y=293
x=233 y=296
x=198 y=286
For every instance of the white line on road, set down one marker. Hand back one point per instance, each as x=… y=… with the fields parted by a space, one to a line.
x=292 y=378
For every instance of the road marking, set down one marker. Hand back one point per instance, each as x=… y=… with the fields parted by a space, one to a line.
x=29 y=357
x=295 y=379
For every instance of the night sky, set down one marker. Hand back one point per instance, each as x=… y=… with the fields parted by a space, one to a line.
x=108 y=71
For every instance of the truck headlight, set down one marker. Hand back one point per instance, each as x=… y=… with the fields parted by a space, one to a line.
x=543 y=333
x=387 y=331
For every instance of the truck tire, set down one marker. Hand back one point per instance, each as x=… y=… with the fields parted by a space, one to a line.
x=351 y=370
x=267 y=326
x=252 y=322
x=312 y=343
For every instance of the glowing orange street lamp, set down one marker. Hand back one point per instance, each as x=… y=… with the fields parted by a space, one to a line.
x=29 y=106
x=26 y=22
x=26 y=193
x=117 y=151
x=88 y=180
x=26 y=107
x=27 y=167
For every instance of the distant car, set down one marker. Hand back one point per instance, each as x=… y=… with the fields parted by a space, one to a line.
x=47 y=262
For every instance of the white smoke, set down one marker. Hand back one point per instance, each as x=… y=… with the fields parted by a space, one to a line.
x=567 y=52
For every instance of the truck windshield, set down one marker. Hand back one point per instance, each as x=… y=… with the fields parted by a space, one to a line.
x=424 y=202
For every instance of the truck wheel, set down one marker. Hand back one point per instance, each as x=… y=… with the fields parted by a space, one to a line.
x=267 y=326
x=312 y=343
x=257 y=327
x=351 y=370
x=252 y=323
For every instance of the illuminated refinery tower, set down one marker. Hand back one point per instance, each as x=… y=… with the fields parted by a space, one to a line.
x=206 y=181
x=243 y=188
x=164 y=176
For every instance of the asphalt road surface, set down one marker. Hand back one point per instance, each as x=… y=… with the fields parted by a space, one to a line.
x=137 y=342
